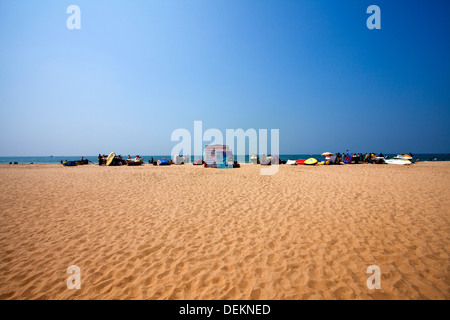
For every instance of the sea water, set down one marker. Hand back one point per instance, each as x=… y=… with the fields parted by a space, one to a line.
x=240 y=159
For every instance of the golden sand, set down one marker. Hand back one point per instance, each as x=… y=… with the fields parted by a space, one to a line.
x=186 y=232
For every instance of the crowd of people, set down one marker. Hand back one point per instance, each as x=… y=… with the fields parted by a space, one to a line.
x=356 y=158
x=365 y=157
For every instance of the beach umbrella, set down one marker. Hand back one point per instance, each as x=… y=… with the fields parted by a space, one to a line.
x=326 y=154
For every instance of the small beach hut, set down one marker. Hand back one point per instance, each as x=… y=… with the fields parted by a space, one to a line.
x=218 y=156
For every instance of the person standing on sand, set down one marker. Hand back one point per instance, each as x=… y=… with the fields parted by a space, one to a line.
x=100 y=159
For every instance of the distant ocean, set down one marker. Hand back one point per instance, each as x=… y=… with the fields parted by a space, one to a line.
x=241 y=159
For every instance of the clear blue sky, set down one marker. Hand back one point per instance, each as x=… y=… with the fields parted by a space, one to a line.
x=137 y=70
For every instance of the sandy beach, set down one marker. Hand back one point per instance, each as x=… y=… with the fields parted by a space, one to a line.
x=187 y=232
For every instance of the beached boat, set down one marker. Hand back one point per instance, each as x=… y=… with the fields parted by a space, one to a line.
x=310 y=161
x=403 y=157
x=82 y=162
x=378 y=159
x=135 y=162
x=398 y=161
x=75 y=163
x=110 y=159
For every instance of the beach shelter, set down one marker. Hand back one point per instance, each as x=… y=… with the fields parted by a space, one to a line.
x=218 y=156
x=163 y=162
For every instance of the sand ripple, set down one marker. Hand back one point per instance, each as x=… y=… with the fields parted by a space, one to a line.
x=187 y=232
